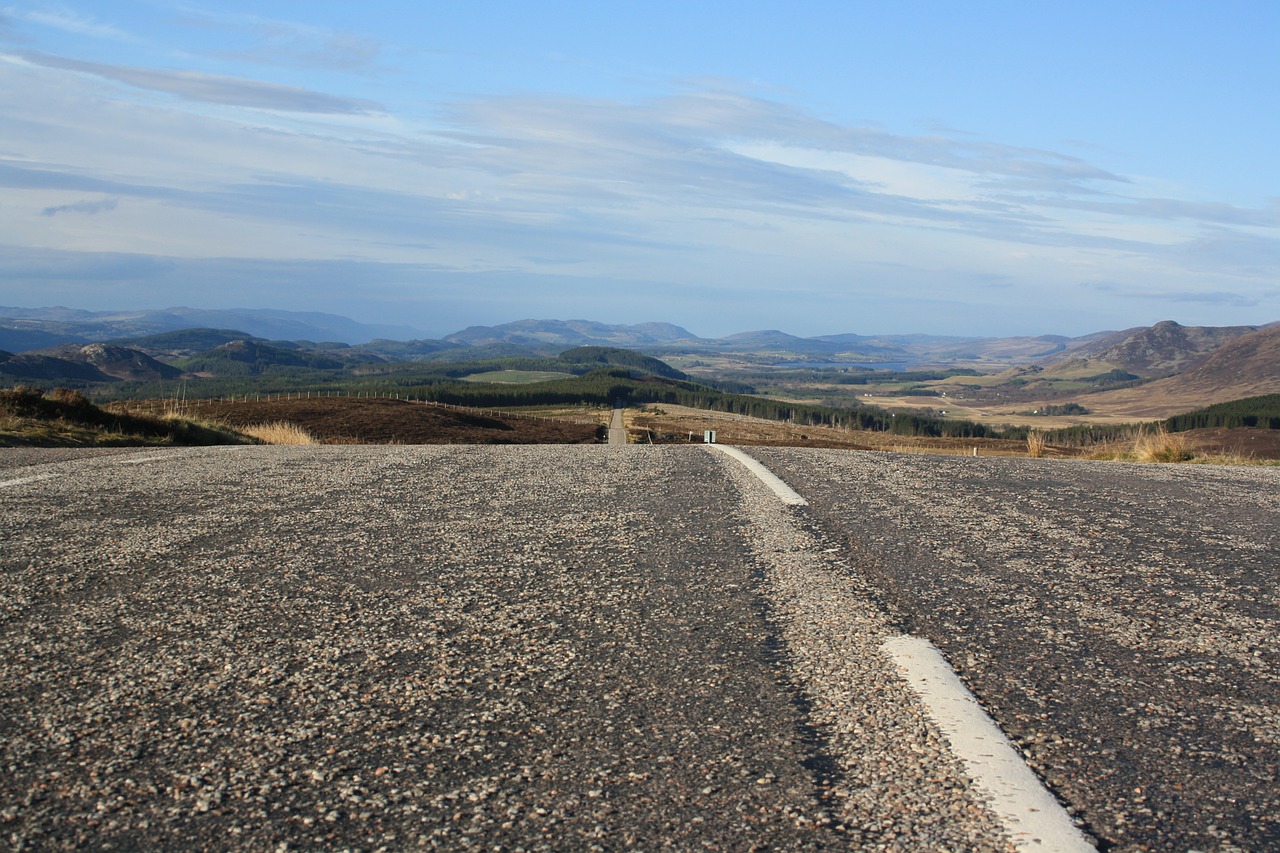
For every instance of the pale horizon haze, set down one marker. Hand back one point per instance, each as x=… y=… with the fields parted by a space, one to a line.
x=976 y=169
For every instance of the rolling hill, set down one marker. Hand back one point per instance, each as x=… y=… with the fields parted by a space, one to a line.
x=1248 y=365
x=251 y=357
x=1160 y=350
x=95 y=362
x=184 y=343
x=122 y=363
x=593 y=356
x=1136 y=373
x=33 y=368
x=570 y=333
x=70 y=325
x=17 y=336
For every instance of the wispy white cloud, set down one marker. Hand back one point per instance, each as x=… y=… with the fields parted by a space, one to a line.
x=269 y=41
x=1168 y=209
x=1217 y=297
x=732 y=152
x=742 y=145
x=213 y=88
x=86 y=207
x=710 y=190
x=333 y=52
x=1256 y=255
x=67 y=20
x=24 y=263
x=1157 y=294
x=592 y=173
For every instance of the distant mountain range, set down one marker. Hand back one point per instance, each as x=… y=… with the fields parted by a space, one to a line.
x=59 y=344
x=570 y=333
x=24 y=329
x=1163 y=347
x=764 y=346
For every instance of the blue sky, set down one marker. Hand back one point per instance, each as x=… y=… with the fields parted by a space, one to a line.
x=976 y=168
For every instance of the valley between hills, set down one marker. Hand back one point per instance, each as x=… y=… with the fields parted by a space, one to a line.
x=941 y=387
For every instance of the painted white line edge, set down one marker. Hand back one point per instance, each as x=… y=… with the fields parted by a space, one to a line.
x=1031 y=815
x=784 y=492
x=21 y=481
x=1034 y=819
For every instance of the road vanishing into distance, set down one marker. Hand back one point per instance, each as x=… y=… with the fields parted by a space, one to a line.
x=599 y=647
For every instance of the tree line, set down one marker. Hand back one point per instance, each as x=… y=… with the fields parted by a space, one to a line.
x=611 y=386
x=1259 y=412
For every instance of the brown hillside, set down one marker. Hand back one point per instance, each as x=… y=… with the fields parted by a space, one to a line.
x=37 y=367
x=116 y=362
x=352 y=420
x=1248 y=366
x=1163 y=349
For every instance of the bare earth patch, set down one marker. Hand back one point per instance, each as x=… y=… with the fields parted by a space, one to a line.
x=354 y=420
x=1243 y=443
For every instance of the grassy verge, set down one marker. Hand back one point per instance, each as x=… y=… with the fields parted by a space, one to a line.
x=280 y=432
x=1163 y=446
x=31 y=417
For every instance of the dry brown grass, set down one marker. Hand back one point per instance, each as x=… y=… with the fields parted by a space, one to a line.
x=1036 y=444
x=1150 y=446
x=65 y=418
x=1109 y=451
x=1229 y=459
x=1162 y=446
x=280 y=432
x=383 y=420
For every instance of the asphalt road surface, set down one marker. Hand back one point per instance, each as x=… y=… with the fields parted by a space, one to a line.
x=581 y=647
x=617 y=429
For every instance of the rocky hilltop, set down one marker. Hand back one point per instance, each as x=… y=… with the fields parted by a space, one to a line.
x=96 y=362
x=1160 y=350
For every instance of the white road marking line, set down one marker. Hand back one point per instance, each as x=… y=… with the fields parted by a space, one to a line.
x=784 y=492
x=21 y=481
x=1032 y=816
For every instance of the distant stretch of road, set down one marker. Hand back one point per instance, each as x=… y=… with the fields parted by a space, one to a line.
x=617 y=427
x=568 y=647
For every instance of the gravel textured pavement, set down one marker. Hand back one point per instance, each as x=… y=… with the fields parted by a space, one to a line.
x=592 y=647
x=1121 y=622
x=445 y=647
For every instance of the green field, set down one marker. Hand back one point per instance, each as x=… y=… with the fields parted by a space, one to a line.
x=516 y=377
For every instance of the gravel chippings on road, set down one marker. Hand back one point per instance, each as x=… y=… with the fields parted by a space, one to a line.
x=21 y=457
x=520 y=648
x=1121 y=622
x=894 y=781
x=590 y=647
